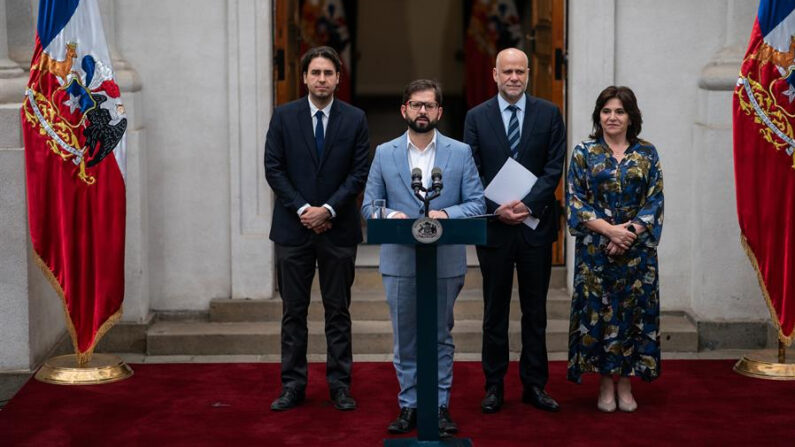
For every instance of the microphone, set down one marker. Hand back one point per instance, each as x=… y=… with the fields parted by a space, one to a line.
x=436 y=180
x=416 y=180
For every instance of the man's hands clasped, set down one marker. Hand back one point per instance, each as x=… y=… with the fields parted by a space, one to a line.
x=317 y=219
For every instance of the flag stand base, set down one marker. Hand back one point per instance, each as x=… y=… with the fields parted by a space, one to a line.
x=761 y=369
x=64 y=370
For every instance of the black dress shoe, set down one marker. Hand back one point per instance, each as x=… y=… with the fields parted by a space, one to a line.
x=405 y=422
x=538 y=398
x=447 y=427
x=493 y=400
x=288 y=399
x=342 y=399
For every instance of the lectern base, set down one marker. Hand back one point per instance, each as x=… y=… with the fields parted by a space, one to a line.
x=64 y=370
x=414 y=442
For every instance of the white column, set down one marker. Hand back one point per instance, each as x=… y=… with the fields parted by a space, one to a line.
x=8 y=68
x=724 y=286
x=12 y=77
x=14 y=331
x=591 y=68
x=136 y=295
x=14 y=327
x=721 y=72
x=250 y=106
x=31 y=315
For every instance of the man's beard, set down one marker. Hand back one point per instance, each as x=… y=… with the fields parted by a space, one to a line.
x=419 y=128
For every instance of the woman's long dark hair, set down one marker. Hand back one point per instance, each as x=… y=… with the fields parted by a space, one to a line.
x=630 y=104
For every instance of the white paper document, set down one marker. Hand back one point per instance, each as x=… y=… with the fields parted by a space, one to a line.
x=512 y=182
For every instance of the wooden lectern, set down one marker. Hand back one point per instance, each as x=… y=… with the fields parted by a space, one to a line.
x=426 y=234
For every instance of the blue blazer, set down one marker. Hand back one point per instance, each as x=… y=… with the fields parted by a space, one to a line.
x=462 y=196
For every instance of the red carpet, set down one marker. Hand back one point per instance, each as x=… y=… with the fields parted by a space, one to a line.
x=693 y=403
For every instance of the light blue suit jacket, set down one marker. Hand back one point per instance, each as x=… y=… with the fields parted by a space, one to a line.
x=462 y=196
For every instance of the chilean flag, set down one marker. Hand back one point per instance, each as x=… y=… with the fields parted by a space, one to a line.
x=73 y=124
x=764 y=158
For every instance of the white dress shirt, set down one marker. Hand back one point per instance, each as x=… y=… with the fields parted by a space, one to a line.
x=422 y=159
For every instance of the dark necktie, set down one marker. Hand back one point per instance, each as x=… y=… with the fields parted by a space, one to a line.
x=320 y=139
x=513 y=131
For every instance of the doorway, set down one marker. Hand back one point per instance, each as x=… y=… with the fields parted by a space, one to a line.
x=387 y=43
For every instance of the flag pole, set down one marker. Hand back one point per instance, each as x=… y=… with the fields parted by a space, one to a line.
x=782 y=352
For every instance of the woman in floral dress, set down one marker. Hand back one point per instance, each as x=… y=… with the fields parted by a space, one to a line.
x=615 y=211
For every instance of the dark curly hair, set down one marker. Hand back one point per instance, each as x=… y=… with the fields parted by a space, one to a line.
x=627 y=98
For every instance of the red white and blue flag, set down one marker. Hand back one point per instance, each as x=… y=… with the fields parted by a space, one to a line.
x=73 y=124
x=764 y=157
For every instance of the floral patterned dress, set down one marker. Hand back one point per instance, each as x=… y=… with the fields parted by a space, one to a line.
x=615 y=310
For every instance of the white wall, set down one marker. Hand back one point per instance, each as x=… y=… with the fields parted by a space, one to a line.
x=46 y=317
x=659 y=50
x=180 y=55
x=31 y=314
x=724 y=285
x=663 y=68
x=20 y=28
x=13 y=273
x=591 y=67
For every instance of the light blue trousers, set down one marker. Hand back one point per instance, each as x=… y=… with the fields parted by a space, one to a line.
x=401 y=295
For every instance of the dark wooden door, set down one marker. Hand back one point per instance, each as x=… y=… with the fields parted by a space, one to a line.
x=286 y=51
x=548 y=75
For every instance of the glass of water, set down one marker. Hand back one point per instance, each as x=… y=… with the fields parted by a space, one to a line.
x=378 y=209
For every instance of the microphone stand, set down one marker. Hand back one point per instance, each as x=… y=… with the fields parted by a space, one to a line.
x=429 y=195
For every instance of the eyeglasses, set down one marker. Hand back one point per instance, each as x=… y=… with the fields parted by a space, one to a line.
x=417 y=105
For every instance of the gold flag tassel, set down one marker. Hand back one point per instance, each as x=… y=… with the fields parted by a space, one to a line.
x=81 y=368
x=761 y=369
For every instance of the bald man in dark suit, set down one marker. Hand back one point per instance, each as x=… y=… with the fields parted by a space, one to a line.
x=531 y=131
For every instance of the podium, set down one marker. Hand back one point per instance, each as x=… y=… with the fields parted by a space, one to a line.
x=426 y=235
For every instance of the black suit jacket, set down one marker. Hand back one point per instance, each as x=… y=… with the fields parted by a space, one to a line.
x=297 y=176
x=542 y=150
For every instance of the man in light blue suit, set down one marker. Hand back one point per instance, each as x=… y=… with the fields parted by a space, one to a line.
x=425 y=148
